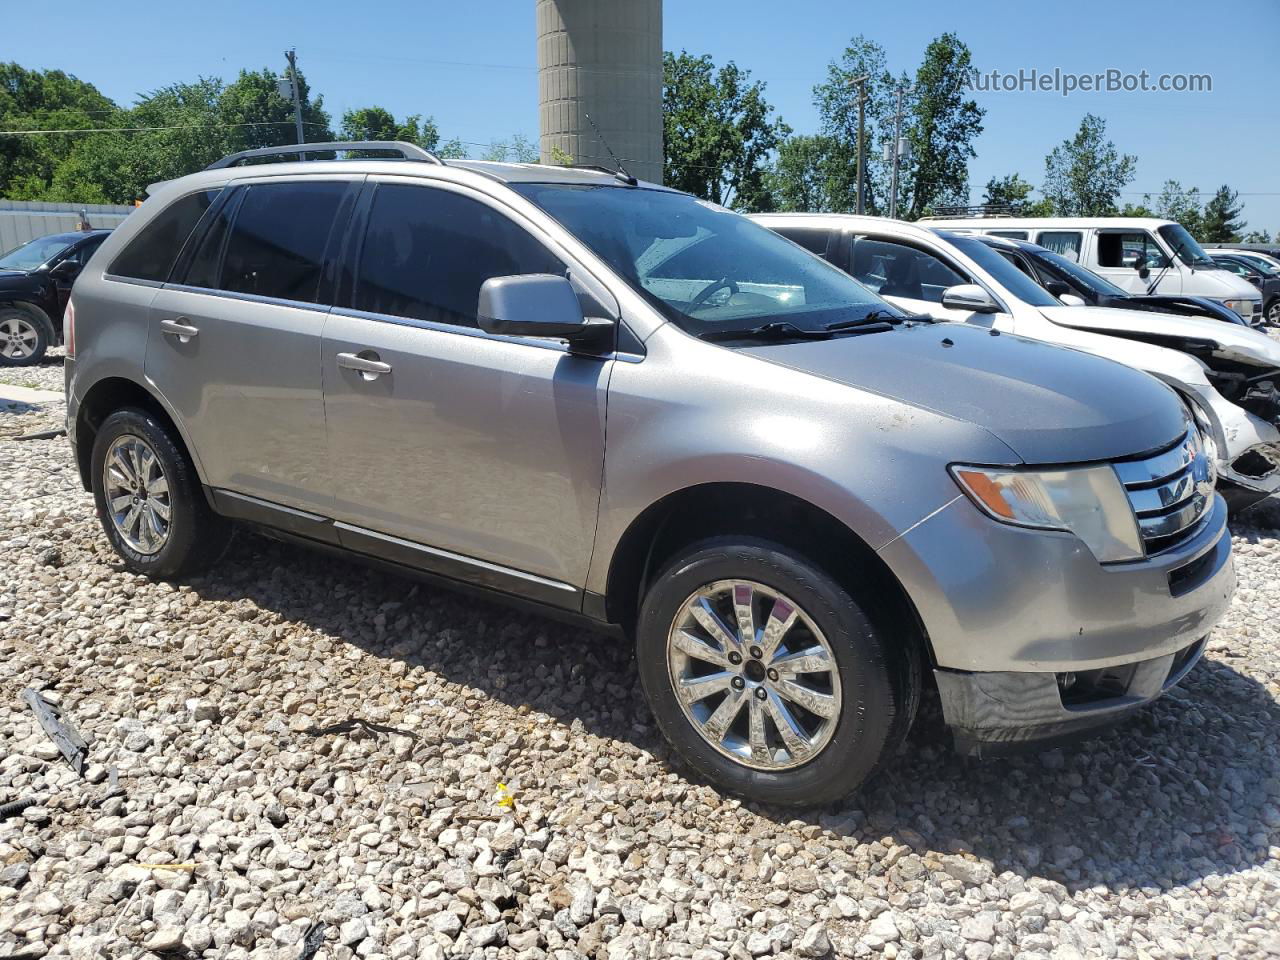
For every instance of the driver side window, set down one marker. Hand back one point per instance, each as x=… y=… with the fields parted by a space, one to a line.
x=897 y=270
x=1123 y=250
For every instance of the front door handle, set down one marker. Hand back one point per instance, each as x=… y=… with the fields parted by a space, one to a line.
x=370 y=367
x=180 y=329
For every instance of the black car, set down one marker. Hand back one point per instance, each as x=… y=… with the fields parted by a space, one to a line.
x=1061 y=276
x=35 y=283
x=1258 y=272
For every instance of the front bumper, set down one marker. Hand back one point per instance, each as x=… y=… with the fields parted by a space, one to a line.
x=997 y=714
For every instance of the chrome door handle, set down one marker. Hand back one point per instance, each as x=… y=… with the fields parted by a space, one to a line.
x=178 y=328
x=371 y=368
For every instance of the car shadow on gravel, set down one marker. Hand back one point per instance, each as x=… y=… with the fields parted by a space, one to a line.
x=1187 y=789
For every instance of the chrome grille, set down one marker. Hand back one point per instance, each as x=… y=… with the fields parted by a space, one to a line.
x=1170 y=491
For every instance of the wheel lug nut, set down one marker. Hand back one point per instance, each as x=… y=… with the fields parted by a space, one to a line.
x=738 y=683
x=735 y=658
x=761 y=693
x=756 y=653
x=773 y=674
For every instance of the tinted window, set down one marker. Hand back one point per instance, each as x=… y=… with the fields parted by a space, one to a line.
x=1063 y=242
x=427 y=252
x=812 y=239
x=1011 y=234
x=897 y=270
x=151 y=254
x=277 y=242
x=205 y=269
x=86 y=250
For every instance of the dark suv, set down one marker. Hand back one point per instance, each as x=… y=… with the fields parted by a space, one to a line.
x=35 y=283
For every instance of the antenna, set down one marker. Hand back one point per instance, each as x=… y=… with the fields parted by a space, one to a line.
x=622 y=173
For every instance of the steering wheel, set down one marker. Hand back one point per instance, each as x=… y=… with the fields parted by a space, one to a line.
x=705 y=293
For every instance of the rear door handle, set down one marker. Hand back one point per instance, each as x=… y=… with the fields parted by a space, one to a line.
x=369 y=367
x=180 y=329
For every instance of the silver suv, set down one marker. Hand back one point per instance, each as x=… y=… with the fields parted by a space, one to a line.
x=620 y=402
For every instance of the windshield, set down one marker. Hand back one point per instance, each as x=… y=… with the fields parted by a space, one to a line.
x=1184 y=246
x=706 y=269
x=1017 y=283
x=33 y=253
x=1067 y=270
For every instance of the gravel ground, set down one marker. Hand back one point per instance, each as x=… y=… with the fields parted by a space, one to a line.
x=305 y=745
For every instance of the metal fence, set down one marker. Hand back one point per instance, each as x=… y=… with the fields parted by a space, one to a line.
x=23 y=220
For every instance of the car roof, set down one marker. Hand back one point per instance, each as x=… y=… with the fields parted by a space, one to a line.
x=71 y=236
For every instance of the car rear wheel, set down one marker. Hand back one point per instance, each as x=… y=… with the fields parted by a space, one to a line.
x=767 y=676
x=24 y=337
x=149 y=498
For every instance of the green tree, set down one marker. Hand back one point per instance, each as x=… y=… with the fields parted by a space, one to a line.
x=944 y=122
x=44 y=100
x=1179 y=204
x=1014 y=192
x=257 y=115
x=1138 y=209
x=836 y=100
x=377 y=123
x=1221 y=222
x=1083 y=176
x=718 y=131
x=1258 y=236
x=810 y=175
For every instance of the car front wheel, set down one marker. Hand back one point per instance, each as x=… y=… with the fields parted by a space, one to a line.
x=768 y=676
x=24 y=337
x=149 y=498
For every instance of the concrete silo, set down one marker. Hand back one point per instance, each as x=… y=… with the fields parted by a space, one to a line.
x=603 y=58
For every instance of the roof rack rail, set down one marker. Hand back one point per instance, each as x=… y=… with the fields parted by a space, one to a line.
x=407 y=151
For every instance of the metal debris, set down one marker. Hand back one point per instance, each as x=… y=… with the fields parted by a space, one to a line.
x=312 y=941
x=65 y=736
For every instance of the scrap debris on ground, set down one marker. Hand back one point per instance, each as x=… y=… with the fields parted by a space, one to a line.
x=316 y=760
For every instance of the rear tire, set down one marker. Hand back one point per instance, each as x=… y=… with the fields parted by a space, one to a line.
x=150 y=500
x=25 y=336
x=869 y=691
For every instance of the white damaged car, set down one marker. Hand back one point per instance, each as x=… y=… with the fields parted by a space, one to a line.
x=1228 y=374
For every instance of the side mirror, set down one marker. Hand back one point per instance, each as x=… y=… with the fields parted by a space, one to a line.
x=1071 y=300
x=1058 y=288
x=969 y=296
x=66 y=270
x=536 y=305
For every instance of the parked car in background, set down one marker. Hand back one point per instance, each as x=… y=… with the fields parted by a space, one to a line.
x=1271 y=250
x=1259 y=270
x=411 y=361
x=1140 y=255
x=1066 y=279
x=1226 y=373
x=35 y=282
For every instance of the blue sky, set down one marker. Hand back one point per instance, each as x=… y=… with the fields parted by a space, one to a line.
x=473 y=66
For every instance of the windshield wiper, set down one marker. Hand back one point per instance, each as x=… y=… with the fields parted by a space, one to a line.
x=777 y=330
x=876 y=321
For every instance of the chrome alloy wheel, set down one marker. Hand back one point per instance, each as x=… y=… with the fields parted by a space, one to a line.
x=18 y=338
x=765 y=691
x=137 y=494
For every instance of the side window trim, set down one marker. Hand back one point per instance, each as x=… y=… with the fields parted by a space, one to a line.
x=182 y=265
x=139 y=281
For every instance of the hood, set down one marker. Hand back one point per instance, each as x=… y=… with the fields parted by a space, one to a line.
x=1048 y=404
x=13 y=277
x=1226 y=285
x=1230 y=341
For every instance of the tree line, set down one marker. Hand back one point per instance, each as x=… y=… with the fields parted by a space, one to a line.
x=723 y=141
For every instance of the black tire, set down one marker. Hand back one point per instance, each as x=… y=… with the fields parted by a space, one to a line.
x=196 y=535
x=25 y=319
x=880 y=681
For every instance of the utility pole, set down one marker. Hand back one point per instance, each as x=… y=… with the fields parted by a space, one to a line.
x=297 y=94
x=897 y=157
x=861 y=84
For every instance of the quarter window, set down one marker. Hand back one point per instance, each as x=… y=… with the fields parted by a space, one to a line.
x=278 y=238
x=896 y=270
x=151 y=254
x=427 y=252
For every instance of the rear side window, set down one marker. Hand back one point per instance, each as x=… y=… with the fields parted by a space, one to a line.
x=427 y=252
x=897 y=270
x=278 y=238
x=1009 y=234
x=151 y=254
x=1064 y=242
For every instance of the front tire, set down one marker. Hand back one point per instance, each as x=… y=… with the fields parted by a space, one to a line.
x=768 y=677
x=25 y=336
x=149 y=498
x=1271 y=314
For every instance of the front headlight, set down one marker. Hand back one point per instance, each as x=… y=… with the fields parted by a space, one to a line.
x=1243 y=307
x=1087 y=501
